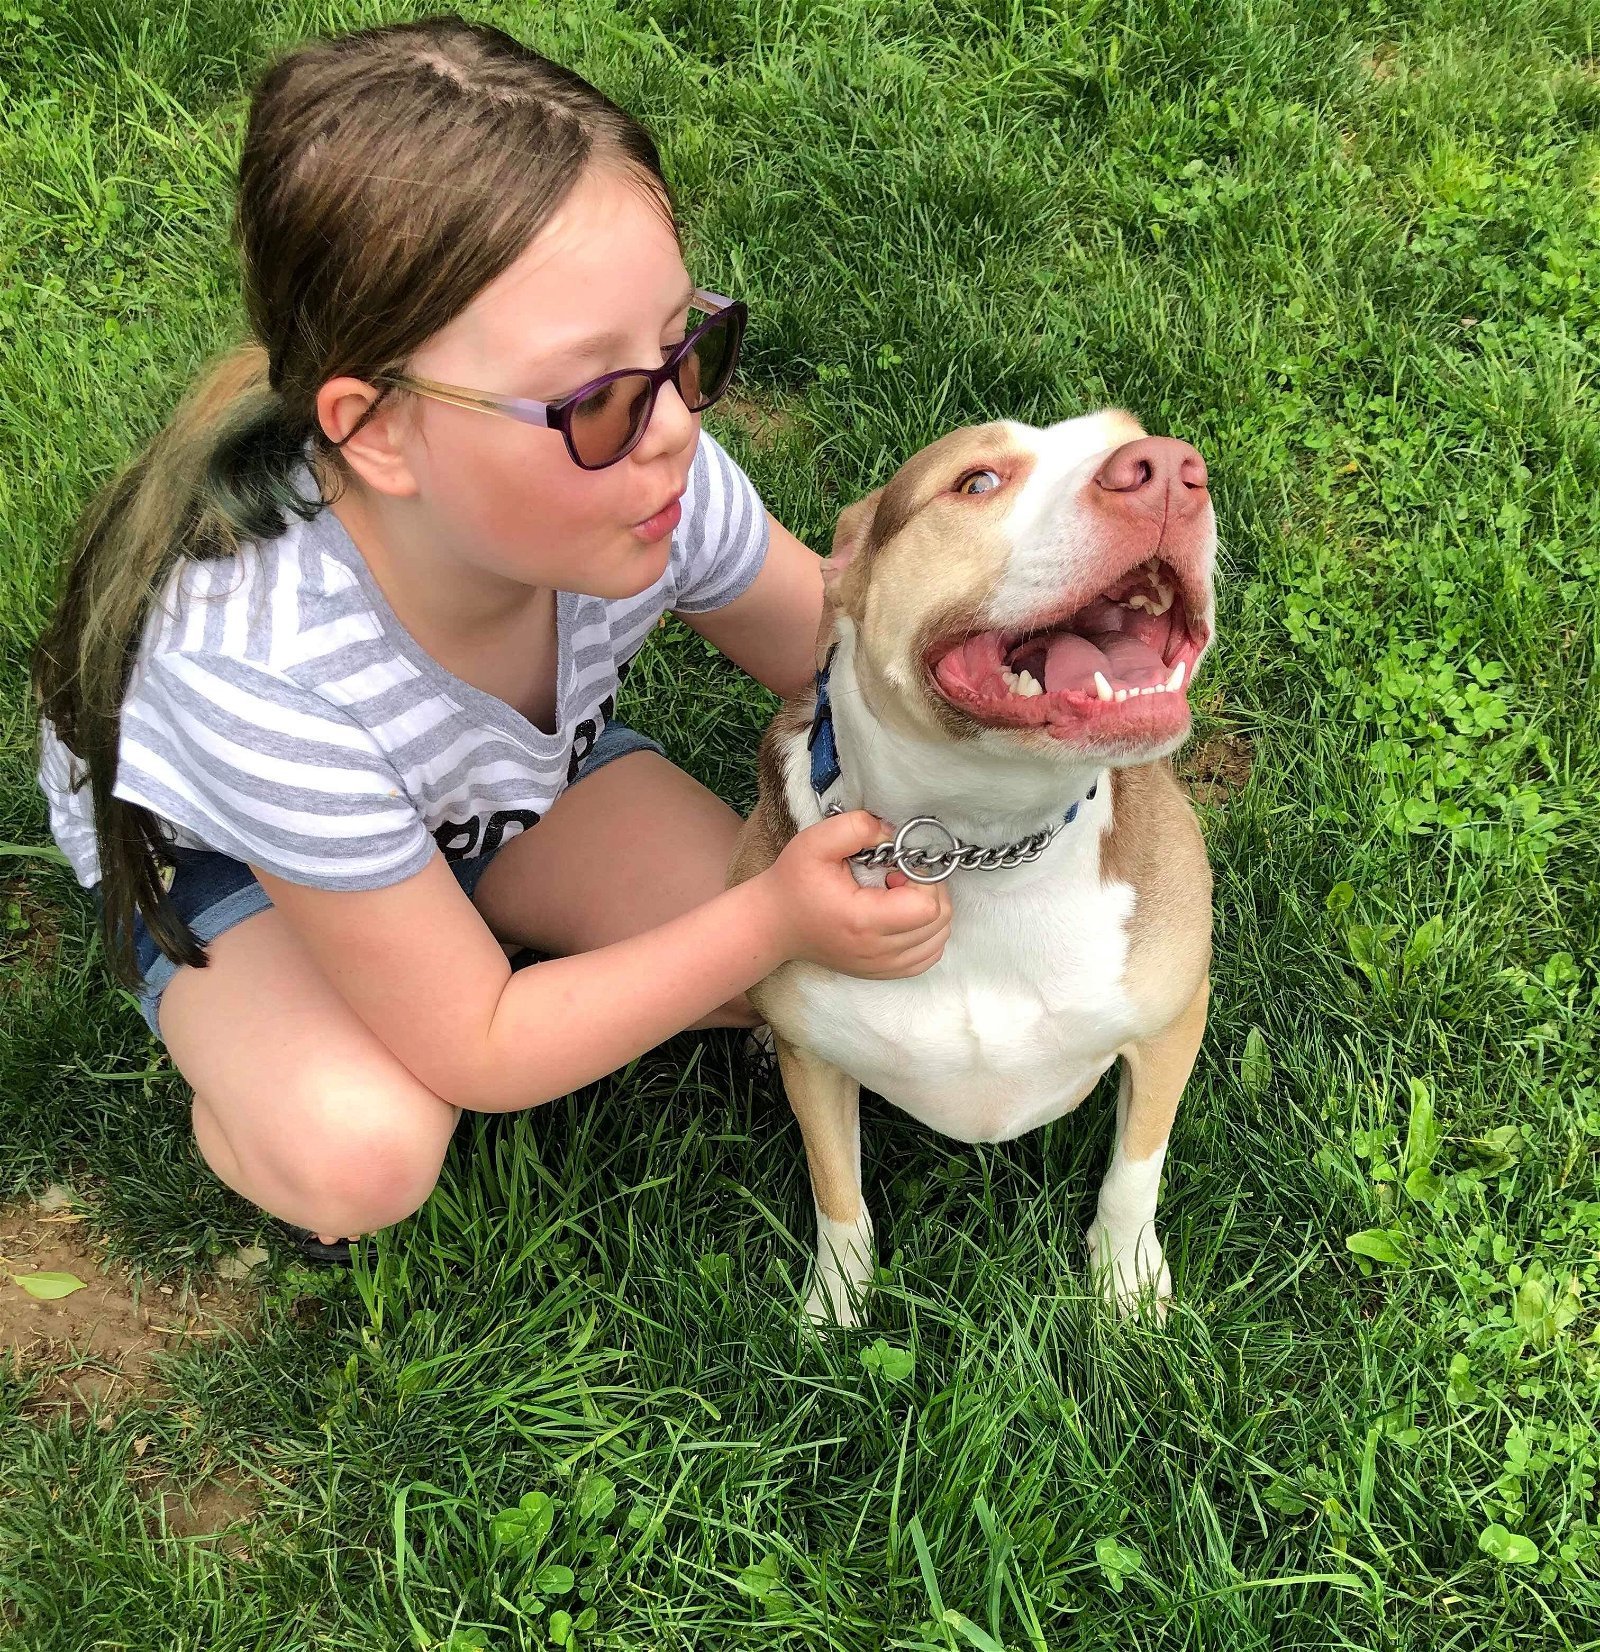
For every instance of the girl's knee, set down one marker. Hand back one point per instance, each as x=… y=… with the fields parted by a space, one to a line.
x=371 y=1154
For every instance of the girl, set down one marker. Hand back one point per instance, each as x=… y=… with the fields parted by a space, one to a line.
x=326 y=704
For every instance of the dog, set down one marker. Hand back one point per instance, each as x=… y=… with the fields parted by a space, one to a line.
x=1011 y=627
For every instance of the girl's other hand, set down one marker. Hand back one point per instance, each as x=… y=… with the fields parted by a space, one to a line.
x=827 y=918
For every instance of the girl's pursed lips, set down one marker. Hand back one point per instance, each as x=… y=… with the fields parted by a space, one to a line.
x=665 y=506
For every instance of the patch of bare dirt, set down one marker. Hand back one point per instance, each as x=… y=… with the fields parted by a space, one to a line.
x=1382 y=63
x=30 y=931
x=95 y=1347
x=764 y=422
x=1216 y=768
x=220 y=1504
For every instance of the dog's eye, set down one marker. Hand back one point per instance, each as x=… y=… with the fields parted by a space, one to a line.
x=978 y=476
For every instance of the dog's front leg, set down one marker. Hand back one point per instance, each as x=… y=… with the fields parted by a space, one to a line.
x=827 y=1102
x=1124 y=1251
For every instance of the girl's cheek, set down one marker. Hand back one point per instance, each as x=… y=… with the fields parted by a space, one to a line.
x=554 y=519
x=524 y=475
x=515 y=495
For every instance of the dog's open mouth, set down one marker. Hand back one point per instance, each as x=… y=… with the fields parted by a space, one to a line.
x=1127 y=653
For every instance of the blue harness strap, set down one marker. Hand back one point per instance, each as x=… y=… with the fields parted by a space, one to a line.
x=820 y=742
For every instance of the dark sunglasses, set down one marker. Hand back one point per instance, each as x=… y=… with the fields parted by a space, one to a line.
x=603 y=420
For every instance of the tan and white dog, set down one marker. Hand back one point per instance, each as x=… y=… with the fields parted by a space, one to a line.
x=1012 y=625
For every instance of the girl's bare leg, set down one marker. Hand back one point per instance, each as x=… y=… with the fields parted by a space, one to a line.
x=630 y=846
x=301 y=1109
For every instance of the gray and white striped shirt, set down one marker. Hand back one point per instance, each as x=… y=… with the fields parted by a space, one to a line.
x=280 y=713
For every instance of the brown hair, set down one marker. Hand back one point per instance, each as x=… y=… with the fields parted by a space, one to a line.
x=386 y=177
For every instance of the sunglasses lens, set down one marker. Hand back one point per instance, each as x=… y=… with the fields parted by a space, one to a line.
x=705 y=372
x=605 y=425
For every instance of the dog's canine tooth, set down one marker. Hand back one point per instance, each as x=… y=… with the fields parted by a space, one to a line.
x=1175 y=681
x=1101 y=686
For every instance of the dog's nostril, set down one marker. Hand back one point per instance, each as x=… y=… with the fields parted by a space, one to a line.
x=1150 y=466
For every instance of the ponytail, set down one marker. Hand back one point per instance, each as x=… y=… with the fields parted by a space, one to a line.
x=217 y=475
x=342 y=274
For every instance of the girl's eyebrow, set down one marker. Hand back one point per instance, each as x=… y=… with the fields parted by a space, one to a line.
x=600 y=343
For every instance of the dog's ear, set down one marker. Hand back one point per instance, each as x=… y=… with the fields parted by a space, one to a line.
x=855 y=523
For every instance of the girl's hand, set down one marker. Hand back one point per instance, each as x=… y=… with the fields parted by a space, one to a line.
x=827 y=918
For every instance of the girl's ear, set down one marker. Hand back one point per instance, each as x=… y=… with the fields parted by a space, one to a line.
x=372 y=452
x=855 y=523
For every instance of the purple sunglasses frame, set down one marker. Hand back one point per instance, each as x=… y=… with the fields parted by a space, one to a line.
x=557 y=415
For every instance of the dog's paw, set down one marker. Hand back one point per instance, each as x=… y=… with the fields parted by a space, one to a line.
x=1129 y=1269
x=843 y=1272
x=829 y=1305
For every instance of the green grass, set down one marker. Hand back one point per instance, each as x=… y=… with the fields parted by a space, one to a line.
x=1350 y=252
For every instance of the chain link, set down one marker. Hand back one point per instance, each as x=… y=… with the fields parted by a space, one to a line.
x=934 y=866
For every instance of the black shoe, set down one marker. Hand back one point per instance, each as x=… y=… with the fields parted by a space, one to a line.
x=315 y=1254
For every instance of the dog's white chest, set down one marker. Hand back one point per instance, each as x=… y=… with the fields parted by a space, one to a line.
x=1012 y=1026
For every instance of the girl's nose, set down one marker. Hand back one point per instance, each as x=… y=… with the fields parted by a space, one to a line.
x=671 y=425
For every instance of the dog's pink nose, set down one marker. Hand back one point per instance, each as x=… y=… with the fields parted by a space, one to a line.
x=1155 y=476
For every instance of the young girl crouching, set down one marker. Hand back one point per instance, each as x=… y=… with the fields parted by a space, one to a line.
x=326 y=705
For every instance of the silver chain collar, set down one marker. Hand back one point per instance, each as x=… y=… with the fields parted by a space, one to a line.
x=934 y=866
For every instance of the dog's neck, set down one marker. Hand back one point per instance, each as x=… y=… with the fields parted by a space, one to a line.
x=983 y=796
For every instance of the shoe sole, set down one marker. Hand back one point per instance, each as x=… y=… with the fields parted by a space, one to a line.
x=337 y=1255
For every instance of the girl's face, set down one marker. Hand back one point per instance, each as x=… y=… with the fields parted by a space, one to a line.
x=506 y=496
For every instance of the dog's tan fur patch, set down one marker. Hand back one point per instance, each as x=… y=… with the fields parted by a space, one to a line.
x=1154 y=845
x=900 y=586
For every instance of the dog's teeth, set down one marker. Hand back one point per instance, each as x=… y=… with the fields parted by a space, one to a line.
x=1175 y=681
x=1120 y=695
x=1027 y=685
x=1154 y=605
x=1101 y=686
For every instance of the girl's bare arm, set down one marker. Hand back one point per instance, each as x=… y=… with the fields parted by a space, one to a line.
x=770 y=630
x=419 y=965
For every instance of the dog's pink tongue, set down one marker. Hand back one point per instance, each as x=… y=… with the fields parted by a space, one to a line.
x=1072 y=661
x=1134 y=664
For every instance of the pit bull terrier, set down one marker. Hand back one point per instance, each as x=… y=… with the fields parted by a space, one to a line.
x=1011 y=628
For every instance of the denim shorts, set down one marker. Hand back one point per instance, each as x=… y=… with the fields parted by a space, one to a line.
x=212 y=892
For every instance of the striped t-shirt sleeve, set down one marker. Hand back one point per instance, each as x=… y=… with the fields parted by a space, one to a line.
x=253 y=765
x=721 y=541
